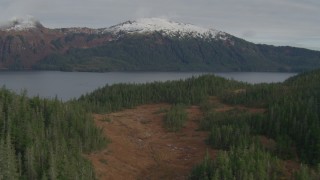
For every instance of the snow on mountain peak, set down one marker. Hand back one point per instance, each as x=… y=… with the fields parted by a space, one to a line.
x=21 y=24
x=166 y=27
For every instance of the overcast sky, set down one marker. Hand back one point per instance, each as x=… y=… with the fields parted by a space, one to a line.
x=277 y=22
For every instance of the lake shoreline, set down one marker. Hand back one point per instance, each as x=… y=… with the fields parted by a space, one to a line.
x=69 y=85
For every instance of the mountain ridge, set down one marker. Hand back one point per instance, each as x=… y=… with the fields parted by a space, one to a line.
x=150 y=44
x=21 y=24
x=164 y=26
x=142 y=25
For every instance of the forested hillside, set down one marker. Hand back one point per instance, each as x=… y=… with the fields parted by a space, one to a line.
x=293 y=113
x=191 y=91
x=156 y=52
x=290 y=118
x=45 y=139
x=266 y=129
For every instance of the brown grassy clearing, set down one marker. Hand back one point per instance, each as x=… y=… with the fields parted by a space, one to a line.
x=142 y=149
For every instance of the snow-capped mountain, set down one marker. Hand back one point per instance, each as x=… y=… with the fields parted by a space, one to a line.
x=21 y=24
x=149 y=44
x=141 y=26
x=166 y=27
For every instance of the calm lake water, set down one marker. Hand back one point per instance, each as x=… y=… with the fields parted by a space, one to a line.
x=68 y=85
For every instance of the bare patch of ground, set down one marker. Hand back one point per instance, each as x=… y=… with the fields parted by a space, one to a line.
x=142 y=149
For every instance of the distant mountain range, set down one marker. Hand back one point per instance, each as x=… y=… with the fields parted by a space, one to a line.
x=151 y=44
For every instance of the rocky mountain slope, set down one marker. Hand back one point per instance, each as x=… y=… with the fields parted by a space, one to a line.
x=141 y=45
x=24 y=42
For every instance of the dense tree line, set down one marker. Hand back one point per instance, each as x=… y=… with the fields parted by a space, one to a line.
x=291 y=119
x=225 y=136
x=45 y=139
x=297 y=115
x=241 y=155
x=293 y=113
x=191 y=91
x=247 y=163
x=237 y=134
x=227 y=129
x=258 y=95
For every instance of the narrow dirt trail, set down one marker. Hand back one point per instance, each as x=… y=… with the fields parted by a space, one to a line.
x=142 y=149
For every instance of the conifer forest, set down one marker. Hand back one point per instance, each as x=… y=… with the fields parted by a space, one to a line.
x=49 y=139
